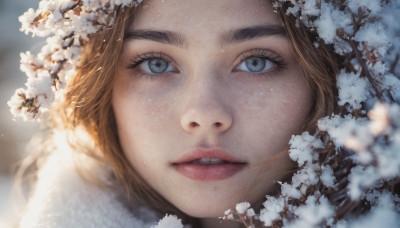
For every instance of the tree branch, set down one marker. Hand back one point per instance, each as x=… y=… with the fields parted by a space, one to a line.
x=365 y=70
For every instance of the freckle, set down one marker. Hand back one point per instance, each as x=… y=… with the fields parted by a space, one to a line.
x=158 y=16
x=223 y=13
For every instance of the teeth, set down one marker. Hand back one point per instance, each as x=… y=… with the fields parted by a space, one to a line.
x=209 y=161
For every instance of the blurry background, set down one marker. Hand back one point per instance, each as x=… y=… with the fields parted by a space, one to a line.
x=14 y=134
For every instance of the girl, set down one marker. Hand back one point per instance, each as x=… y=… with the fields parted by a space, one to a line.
x=186 y=108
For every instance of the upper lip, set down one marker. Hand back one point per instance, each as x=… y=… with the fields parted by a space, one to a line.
x=199 y=153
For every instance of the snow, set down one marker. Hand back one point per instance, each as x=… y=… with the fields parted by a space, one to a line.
x=169 y=221
x=58 y=20
x=302 y=146
x=250 y=212
x=352 y=89
x=242 y=208
x=291 y=190
x=371 y=141
x=374 y=6
x=392 y=83
x=310 y=8
x=326 y=25
x=271 y=211
x=375 y=35
x=378 y=69
x=327 y=177
x=379 y=217
x=28 y=64
x=312 y=213
x=361 y=177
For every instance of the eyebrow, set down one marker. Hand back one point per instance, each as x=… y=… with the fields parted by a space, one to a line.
x=228 y=38
x=166 y=37
x=250 y=33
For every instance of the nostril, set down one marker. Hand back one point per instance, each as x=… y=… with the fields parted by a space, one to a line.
x=194 y=124
x=218 y=124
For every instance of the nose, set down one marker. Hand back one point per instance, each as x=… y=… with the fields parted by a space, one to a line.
x=206 y=110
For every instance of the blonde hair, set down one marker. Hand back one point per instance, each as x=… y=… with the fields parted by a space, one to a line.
x=87 y=101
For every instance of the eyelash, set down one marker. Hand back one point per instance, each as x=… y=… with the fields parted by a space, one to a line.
x=253 y=53
x=148 y=56
x=134 y=63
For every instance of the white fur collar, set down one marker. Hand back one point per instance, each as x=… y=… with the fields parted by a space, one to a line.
x=63 y=199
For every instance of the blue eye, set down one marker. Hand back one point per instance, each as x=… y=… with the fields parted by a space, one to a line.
x=156 y=66
x=256 y=65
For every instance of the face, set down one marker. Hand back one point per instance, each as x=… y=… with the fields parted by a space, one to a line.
x=206 y=97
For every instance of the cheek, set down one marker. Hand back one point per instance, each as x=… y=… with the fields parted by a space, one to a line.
x=143 y=110
x=141 y=117
x=269 y=114
x=277 y=104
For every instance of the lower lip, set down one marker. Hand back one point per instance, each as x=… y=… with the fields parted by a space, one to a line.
x=214 y=172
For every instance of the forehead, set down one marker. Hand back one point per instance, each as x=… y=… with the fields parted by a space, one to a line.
x=194 y=15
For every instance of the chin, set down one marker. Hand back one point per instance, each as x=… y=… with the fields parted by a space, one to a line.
x=212 y=201
x=206 y=202
x=207 y=207
x=210 y=211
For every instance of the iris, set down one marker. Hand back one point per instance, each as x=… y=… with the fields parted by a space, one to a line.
x=157 y=66
x=255 y=64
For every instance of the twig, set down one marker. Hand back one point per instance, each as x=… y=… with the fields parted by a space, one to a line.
x=365 y=70
x=394 y=64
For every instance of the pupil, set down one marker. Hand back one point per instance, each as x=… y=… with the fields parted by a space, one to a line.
x=255 y=64
x=157 y=65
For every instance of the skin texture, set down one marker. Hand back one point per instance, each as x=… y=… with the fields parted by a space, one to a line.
x=208 y=100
